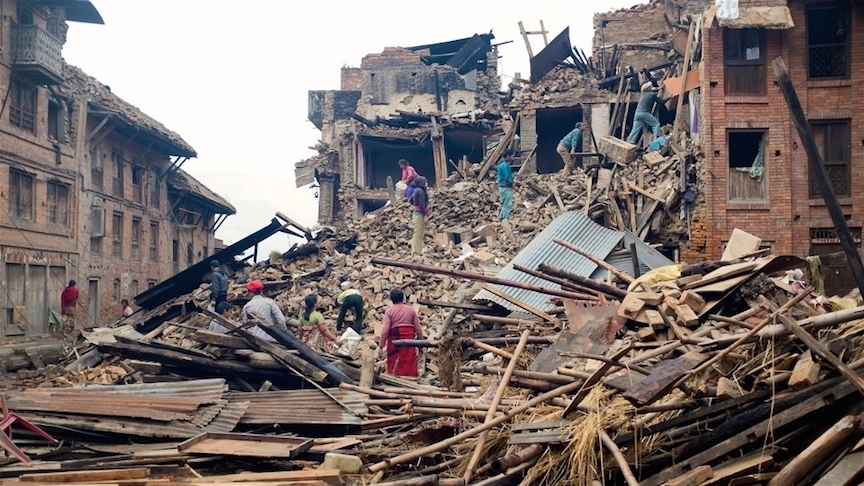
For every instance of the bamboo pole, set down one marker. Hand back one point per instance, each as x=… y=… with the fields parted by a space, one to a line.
x=492 y=349
x=617 y=272
x=477 y=277
x=619 y=458
x=752 y=332
x=560 y=281
x=493 y=407
x=456 y=439
x=609 y=290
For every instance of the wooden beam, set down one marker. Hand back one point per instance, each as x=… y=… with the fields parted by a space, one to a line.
x=817 y=167
x=525 y=38
x=528 y=307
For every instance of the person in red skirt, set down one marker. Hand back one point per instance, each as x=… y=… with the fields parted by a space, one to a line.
x=400 y=322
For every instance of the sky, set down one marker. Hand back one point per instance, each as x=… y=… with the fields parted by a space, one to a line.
x=232 y=78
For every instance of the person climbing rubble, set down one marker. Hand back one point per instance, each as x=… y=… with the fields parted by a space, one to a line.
x=420 y=202
x=642 y=116
x=262 y=308
x=350 y=299
x=505 y=185
x=572 y=141
x=409 y=175
x=312 y=328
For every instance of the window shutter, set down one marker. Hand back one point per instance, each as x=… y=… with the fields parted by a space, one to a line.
x=97 y=225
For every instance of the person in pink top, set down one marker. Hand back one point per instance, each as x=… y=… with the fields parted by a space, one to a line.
x=400 y=322
x=408 y=176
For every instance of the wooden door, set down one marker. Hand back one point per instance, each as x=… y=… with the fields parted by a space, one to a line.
x=15 y=320
x=93 y=303
x=37 y=304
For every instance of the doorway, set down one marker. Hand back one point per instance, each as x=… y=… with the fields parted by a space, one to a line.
x=93 y=303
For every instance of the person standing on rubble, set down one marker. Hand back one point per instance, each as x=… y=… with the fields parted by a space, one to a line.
x=642 y=116
x=350 y=299
x=127 y=311
x=218 y=284
x=262 y=308
x=420 y=201
x=571 y=141
x=409 y=175
x=68 y=306
x=312 y=329
x=400 y=322
x=505 y=185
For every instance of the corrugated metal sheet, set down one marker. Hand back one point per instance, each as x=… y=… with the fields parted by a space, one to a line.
x=205 y=391
x=570 y=226
x=302 y=407
x=583 y=232
x=649 y=258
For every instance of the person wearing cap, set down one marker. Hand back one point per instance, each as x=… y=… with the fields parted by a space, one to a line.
x=571 y=141
x=400 y=322
x=642 y=116
x=350 y=299
x=505 y=184
x=408 y=176
x=420 y=203
x=218 y=284
x=264 y=308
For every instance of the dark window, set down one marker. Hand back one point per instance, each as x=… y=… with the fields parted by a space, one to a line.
x=154 y=241
x=117 y=235
x=117 y=169
x=133 y=288
x=97 y=230
x=190 y=255
x=828 y=44
x=58 y=203
x=746 y=178
x=54 y=121
x=154 y=187
x=96 y=246
x=151 y=284
x=175 y=255
x=116 y=294
x=96 y=168
x=833 y=139
x=745 y=61
x=137 y=183
x=20 y=194
x=22 y=107
x=136 y=239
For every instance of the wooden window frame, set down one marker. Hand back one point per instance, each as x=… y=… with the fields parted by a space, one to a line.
x=117 y=167
x=20 y=114
x=154 y=241
x=117 y=235
x=733 y=65
x=844 y=9
x=136 y=239
x=813 y=185
x=55 y=189
x=17 y=195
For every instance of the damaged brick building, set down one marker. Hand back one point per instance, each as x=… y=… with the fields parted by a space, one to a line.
x=91 y=187
x=744 y=166
x=429 y=104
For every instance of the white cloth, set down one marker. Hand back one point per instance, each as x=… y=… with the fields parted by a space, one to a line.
x=727 y=9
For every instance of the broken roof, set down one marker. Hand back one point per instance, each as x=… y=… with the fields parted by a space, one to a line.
x=100 y=99
x=579 y=229
x=181 y=181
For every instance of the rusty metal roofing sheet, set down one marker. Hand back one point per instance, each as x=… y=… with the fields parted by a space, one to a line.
x=302 y=407
x=204 y=391
x=571 y=226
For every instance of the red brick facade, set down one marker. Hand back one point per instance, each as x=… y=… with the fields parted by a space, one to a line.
x=786 y=216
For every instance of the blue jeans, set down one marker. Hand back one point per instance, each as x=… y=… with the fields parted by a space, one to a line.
x=506 y=202
x=640 y=119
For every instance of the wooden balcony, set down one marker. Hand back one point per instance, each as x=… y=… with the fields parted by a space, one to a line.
x=36 y=55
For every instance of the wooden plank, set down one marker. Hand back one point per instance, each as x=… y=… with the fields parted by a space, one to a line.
x=740 y=243
x=542 y=437
x=540 y=425
x=672 y=85
x=662 y=378
x=845 y=472
x=247 y=445
x=754 y=433
x=823 y=351
x=617 y=150
x=693 y=478
x=644 y=192
x=86 y=476
x=220 y=339
x=328 y=476
x=757 y=461
x=818 y=451
x=588 y=340
x=723 y=273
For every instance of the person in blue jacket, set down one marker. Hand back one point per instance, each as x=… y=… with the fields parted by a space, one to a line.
x=505 y=185
x=571 y=141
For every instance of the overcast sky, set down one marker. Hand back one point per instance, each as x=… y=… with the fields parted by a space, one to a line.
x=232 y=77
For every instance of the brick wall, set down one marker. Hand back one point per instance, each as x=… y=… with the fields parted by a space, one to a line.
x=351 y=78
x=390 y=57
x=789 y=213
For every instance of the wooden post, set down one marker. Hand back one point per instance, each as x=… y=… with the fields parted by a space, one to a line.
x=620 y=274
x=493 y=407
x=818 y=169
x=439 y=154
x=525 y=38
x=684 y=70
x=818 y=451
x=495 y=155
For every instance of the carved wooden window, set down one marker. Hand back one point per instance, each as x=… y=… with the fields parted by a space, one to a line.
x=833 y=139
x=828 y=46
